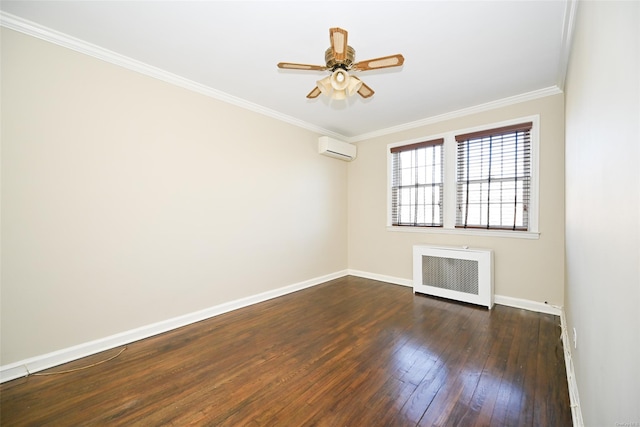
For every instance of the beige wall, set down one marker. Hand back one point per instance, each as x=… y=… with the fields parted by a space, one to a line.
x=526 y=269
x=124 y=202
x=127 y=201
x=603 y=211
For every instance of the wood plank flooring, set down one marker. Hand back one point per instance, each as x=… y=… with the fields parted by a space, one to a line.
x=350 y=352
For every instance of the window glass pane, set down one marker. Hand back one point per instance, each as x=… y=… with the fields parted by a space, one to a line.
x=422 y=175
x=407 y=177
x=421 y=157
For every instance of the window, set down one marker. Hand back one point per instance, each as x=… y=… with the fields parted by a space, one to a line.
x=493 y=178
x=417 y=181
x=474 y=181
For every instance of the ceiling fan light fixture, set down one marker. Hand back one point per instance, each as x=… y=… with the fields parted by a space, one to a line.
x=337 y=85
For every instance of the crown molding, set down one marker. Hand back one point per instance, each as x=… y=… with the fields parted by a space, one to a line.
x=504 y=102
x=567 y=37
x=32 y=29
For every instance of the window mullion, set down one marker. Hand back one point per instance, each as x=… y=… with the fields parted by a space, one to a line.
x=489 y=182
x=414 y=164
x=515 y=184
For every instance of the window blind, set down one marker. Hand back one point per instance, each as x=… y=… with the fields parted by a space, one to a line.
x=494 y=178
x=416 y=188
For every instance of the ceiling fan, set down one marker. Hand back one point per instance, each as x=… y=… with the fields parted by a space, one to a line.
x=340 y=61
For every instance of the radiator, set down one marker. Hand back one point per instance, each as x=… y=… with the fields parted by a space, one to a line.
x=461 y=274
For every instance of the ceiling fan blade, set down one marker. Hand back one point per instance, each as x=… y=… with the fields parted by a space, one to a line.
x=365 y=91
x=292 y=66
x=377 y=63
x=338 y=38
x=314 y=93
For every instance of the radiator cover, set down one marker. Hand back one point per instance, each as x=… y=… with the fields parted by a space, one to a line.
x=462 y=274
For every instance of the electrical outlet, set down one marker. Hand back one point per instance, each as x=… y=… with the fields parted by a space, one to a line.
x=575 y=338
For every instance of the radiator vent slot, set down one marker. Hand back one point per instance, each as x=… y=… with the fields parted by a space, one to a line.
x=457 y=273
x=449 y=273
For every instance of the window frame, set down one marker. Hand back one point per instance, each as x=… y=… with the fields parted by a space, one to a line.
x=479 y=149
x=397 y=151
x=449 y=186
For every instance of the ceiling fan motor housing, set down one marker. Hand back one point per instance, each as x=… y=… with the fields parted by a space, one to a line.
x=332 y=63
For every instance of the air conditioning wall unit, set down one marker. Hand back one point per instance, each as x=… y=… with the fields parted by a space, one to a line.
x=336 y=149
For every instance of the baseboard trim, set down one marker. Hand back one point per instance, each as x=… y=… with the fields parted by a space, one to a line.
x=381 y=277
x=31 y=365
x=498 y=299
x=527 y=304
x=574 y=399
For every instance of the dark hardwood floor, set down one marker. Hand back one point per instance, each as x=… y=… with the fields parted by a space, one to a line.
x=350 y=352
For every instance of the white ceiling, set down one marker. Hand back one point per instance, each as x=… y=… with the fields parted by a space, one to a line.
x=458 y=54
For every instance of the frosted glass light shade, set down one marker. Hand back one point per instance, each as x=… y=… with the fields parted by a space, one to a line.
x=325 y=86
x=354 y=86
x=339 y=79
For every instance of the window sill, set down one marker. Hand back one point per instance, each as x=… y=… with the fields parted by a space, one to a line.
x=531 y=235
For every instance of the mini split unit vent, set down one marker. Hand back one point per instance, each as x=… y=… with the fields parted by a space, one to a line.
x=337 y=149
